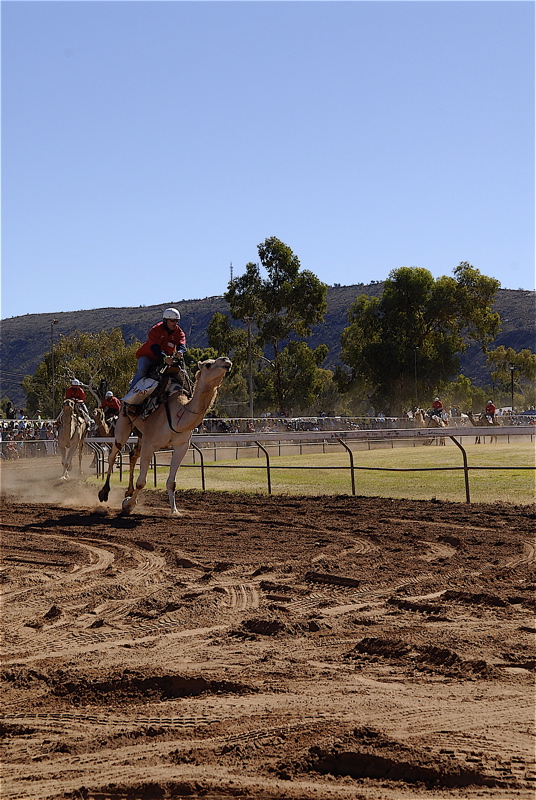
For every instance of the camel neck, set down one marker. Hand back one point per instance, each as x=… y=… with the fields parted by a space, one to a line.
x=202 y=400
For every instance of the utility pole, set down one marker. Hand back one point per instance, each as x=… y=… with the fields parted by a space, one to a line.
x=53 y=322
x=416 y=399
x=512 y=368
x=247 y=320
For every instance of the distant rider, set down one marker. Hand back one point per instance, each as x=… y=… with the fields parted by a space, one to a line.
x=111 y=406
x=437 y=408
x=75 y=392
x=165 y=340
x=490 y=411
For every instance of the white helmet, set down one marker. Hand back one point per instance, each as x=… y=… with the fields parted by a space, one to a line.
x=109 y=394
x=171 y=313
x=75 y=382
x=436 y=399
x=489 y=401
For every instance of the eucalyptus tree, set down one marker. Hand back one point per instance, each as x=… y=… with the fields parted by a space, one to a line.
x=101 y=361
x=285 y=303
x=406 y=343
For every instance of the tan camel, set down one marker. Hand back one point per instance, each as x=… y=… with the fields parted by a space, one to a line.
x=72 y=430
x=168 y=428
x=482 y=421
x=105 y=430
x=103 y=427
x=426 y=420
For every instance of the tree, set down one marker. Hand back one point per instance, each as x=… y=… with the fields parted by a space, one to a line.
x=288 y=301
x=412 y=336
x=301 y=379
x=101 y=361
x=524 y=371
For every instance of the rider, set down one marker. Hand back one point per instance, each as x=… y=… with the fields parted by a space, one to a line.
x=437 y=408
x=165 y=340
x=75 y=392
x=111 y=406
x=490 y=411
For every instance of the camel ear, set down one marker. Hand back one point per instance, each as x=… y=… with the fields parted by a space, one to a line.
x=199 y=364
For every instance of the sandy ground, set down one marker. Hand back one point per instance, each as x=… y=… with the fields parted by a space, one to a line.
x=266 y=648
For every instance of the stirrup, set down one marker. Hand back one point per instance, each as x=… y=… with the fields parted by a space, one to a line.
x=131 y=409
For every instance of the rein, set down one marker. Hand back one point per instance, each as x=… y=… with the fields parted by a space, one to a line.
x=179 y=415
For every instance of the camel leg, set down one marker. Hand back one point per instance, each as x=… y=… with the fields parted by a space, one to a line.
x=124 y=429
x=63 y=454
x=145 y=460
x=176 y=461
x=132 y=461
x=105 y=489
x=66 y=462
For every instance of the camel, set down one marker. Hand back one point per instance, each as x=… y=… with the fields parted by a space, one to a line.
x=72 y=430
x=482 y=421
x=104 y=428
x=426 y=420
x=169 y=427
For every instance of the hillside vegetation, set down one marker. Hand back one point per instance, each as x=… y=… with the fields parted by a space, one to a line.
x=25 y=339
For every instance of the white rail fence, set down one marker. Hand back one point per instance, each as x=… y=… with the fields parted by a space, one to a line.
x=217 y=447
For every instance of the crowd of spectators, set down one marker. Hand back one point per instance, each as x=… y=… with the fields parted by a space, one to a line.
x=23 y=437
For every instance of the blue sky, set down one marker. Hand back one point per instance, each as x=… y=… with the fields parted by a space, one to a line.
x=147 y=145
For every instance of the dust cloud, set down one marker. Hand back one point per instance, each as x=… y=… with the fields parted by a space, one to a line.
x=39 y=481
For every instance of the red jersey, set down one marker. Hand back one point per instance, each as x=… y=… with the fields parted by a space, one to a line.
x=490 y=408
x=437 y=405
x=75 y=393
x=112 y=403
x=168 y=342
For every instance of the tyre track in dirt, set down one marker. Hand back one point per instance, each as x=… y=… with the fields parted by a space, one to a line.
x=312 y=629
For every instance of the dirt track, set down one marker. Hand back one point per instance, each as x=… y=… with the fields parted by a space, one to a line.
x=266 y=648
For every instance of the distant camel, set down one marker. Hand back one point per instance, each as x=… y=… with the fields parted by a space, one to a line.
x=103 y=426
x=425 y=419
x=72 y=429
x=169 y=427
x=482 y=421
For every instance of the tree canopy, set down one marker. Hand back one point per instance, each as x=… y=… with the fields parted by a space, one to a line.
x=288 y=301
x=406 y=344
x=101 y=361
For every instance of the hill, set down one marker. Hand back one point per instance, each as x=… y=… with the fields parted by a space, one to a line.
x=25 y=339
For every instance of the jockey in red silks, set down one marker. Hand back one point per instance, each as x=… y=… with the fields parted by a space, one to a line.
x=76 y=393
x=111 y=405
x=437 y=408
x=165 y=340
x=490 y=410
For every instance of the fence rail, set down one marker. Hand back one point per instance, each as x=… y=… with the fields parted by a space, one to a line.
x=343 y=438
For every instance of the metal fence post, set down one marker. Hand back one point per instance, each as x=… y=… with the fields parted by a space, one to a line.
x=265 y=451
x=201 y=462
x=465 y=469
x=351 y=464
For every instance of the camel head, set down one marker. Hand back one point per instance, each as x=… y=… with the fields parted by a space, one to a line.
x=212 y=371
x=207 y=380
x=68 y=406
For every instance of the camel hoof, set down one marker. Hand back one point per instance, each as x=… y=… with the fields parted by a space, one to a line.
x=103 y=495
x=127 y=505
x=64 y=478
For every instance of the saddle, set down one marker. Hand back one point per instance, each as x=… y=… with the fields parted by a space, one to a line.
x=170 y=381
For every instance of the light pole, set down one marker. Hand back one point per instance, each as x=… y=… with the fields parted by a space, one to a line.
x=512 y=368
x=247 y=320
x=416 y=400
x=53 y=322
